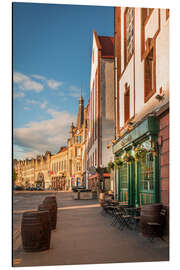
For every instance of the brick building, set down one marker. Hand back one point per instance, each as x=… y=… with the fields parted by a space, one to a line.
x=101 y=108
x=142 y=105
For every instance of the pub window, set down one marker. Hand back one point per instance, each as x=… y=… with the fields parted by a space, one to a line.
x=146 y=173
x=149 y=75
x=129 y=34
x=126 y=104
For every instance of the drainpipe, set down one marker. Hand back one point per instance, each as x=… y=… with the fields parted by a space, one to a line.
x=115 y=105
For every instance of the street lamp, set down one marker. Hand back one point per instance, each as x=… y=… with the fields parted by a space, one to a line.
x=100 y=170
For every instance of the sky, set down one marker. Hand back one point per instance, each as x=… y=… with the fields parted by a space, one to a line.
x=52 y=46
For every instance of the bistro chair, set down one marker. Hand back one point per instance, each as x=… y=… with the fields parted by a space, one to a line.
x=121 y=217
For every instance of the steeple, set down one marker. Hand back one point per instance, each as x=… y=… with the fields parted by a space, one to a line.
x=80 y=116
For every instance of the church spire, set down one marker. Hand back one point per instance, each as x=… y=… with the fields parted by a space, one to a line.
x=80 y=116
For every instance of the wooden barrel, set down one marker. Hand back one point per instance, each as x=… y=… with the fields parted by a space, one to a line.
x=35 y=231
x=51 y=205
x=149 y=213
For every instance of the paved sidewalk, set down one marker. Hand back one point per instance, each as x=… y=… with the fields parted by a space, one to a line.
x=85 y=236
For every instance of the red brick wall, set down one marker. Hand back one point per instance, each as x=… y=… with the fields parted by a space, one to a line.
x=164 y=159
x=164 y=165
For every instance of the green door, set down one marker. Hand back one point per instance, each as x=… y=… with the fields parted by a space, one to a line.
x=126 y=183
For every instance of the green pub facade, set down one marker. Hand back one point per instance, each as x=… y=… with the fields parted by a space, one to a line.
x=137 y=174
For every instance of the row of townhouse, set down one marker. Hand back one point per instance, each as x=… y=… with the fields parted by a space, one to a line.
x=62 y=170
x=129 y=107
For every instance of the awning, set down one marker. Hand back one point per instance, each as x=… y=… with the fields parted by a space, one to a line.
x=97 y=175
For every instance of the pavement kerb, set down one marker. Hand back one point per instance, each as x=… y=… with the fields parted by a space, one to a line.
x=60 y=208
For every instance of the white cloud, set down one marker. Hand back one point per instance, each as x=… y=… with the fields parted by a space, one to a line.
x=74 y=88
x=27 y=109
x=74 y=91
x=18 y=95
x=43 y=105
x=45 y=135
x=32 y=101
x=54 y=84
x=38 y=77
x=26 y=83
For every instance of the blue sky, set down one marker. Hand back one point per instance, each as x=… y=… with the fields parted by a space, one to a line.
x=51 y=63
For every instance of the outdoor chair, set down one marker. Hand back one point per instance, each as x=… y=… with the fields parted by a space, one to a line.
x=105 y=207
x=156 y=228
x=136 y=218
x=121 y=217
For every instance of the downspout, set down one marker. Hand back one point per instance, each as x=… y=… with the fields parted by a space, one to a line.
x=115 y=105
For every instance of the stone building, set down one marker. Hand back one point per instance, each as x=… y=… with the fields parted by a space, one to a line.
x=76 y=148
x=142 y=105
x=58 y=170
x=34 y=172
x=101 y=109
x=64 y=169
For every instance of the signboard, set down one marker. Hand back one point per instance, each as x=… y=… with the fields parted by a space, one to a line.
x=149 y=125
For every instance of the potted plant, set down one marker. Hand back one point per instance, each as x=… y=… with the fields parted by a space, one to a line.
x=110 y=166
x=128 y=158
x=140 y=152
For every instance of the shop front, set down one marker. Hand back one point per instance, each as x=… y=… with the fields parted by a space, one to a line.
x=136 y=165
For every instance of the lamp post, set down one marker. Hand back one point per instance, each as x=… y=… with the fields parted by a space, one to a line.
x=100 y=170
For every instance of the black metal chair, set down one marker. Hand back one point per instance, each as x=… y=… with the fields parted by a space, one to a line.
x=121 y=217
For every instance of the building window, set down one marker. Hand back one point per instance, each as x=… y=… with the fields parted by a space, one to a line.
x=126 y=103
x=128 y=34
x=145 y=15
x=78 y=151
x=167 y=14
x=149 y=75
x=78 y=167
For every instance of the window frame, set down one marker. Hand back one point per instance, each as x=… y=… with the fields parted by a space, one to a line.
x=149 y=93
x=126 y=94
x=143 y=25
x=126 y=58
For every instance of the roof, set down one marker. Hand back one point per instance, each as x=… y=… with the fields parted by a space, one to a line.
x=107 y=45
x=62 y=149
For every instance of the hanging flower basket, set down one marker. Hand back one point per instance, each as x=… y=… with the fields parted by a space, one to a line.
x=128 y=158
x=110 y=166
x=118 y=163
x=140 y=152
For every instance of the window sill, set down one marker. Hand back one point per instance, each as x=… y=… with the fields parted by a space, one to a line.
x=146 y=98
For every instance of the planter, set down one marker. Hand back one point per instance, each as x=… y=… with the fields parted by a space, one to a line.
x=76 y=195
x=85 y=195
